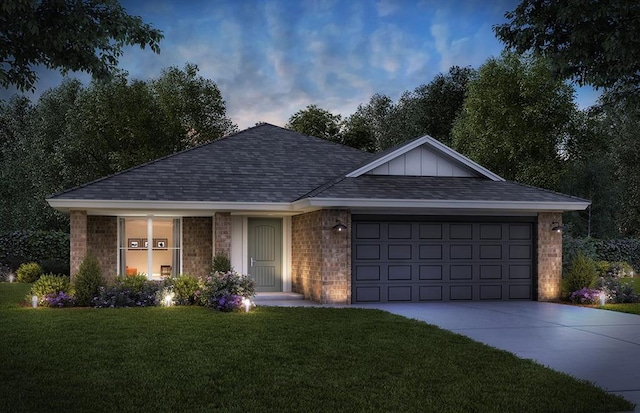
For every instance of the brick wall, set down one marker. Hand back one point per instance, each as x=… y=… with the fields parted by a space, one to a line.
x=549 y=256
x=321 y=258
x=78 y=239
x=223 y=233
x=102 y=241
x=197 y=245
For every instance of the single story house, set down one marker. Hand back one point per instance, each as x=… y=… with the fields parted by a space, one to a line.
x=418 y=222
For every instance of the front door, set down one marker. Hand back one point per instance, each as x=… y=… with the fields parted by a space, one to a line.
x=265 y=253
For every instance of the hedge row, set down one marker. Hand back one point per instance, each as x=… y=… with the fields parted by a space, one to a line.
x=611 y=250
x=50 y=249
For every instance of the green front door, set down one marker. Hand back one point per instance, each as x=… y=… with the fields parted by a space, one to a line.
x=265 y=253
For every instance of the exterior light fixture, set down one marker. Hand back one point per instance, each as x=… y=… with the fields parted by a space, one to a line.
x=557 y=227
x=247 y=304
x=34 y=301
x=603 y=298
x=339 y=226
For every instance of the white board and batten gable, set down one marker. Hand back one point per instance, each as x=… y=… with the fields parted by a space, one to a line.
x=425 y=156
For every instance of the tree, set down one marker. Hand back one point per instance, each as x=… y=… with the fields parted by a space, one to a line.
x=318 y=122
x=70 y=35
x=514 y=120
x=373 y=125
x=592 y=42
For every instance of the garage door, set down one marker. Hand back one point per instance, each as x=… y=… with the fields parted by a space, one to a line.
x=401 y=261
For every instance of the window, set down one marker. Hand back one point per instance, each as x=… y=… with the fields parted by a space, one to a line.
x=149 y=246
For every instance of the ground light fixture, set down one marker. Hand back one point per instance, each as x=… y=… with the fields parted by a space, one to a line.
x=556 y=226
x=247 y=304
x=34 y=301
x=603 y=298
x=339 y=226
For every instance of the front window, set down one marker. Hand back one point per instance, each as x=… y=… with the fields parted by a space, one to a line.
x=149 y=246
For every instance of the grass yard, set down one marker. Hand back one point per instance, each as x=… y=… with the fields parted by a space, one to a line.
x=627 y=308
x=272 y=359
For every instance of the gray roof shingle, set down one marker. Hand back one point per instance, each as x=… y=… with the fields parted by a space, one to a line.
x=261 y=164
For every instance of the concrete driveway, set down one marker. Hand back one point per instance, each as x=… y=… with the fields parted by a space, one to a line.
x=595 y=345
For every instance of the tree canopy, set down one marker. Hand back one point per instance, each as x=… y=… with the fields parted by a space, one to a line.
x=318 y=122
x=70 y=35
x=590 y=41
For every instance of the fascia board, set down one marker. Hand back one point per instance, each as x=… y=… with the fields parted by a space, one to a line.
x=441 y=204
x=66 y=205
x=435 y=144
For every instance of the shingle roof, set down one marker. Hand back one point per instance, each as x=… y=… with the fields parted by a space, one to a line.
x=261 y=164
x=270 y=164
x=438 y=188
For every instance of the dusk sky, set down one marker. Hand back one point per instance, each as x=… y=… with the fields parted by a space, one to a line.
x=272 y=58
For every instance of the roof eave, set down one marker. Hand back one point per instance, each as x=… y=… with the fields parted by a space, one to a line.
x=479 y=205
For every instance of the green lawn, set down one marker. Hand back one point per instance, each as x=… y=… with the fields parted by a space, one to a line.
x=272 y=359
x=627 y=308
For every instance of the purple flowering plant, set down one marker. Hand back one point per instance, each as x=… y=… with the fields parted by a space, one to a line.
x=58 y=300
x=585 y=296
x=225 y=291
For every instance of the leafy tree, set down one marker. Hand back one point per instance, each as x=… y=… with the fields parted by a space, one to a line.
x=318 y=122
x=71 y=35
x=590 y=41
x=372 y=125
x=514 y=119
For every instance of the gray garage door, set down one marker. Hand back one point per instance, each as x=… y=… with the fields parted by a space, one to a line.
x=441 y=261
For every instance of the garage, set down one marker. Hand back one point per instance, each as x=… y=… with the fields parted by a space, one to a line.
x=426 y=259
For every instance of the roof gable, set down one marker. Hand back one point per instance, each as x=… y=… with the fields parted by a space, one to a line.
x=424 y=156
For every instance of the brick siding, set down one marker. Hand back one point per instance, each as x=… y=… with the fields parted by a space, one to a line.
x=78 y=239
x=197 y=245
x=321 y=258
x=102 y=241
x=223 y=233
x=549 y=256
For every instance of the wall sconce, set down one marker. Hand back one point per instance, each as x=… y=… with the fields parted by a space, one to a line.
x=555 y=226
x=339 y=226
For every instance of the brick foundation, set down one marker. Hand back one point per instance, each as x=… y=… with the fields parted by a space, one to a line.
x=321 y=258
x=197 y=245
x=549 y=257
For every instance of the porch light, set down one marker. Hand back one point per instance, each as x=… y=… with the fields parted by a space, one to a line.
x=339 y=226
x=247 y=304
x=555 y=226
x=34 y=301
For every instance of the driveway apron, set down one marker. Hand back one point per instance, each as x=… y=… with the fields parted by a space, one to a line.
x=600 y=346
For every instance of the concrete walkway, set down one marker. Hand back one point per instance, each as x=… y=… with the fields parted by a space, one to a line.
x=600 y=346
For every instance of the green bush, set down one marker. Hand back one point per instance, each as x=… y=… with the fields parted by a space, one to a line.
x=221 y=264
x=185 y=288
x=582 y=274
x=623 y=250
x=29 y=272
x=50 y=285
x=87 y=281
x=225 y=291
x=129 y=291
x=614 y=269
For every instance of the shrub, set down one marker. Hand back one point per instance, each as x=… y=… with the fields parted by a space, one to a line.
x=88 y=280
x=135 y=291
x=5 y=272
x=225 y=291
x=221 y=264
x=617 y=290
x=585 y=296
x=581 y=274
x=61 y=299
x=50 y=284
x=29 y=272
x=49 y=248
x=186 y=289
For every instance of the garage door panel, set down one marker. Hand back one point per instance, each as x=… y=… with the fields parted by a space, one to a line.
x=460 y=292
x=399 y=272
x=520 y=272
x=461 y=272
x=368 y=252
x=430 y=272
x=430 y=252
x=367 y=272
x=420 y=261
x=399 y=252
x=461 y=252
x=400 y=293
x=490 y=272
x=491 y=292
x=367 y=230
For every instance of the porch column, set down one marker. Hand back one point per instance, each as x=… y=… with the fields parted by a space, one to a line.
x=78 y=239
x=549 y=256
x=222 y=236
